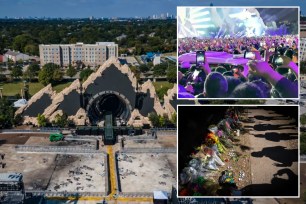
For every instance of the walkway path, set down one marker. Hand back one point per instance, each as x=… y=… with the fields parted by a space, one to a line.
x=113 y=183
x=274 y=158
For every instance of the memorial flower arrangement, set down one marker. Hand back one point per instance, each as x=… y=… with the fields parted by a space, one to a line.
x=195 y=179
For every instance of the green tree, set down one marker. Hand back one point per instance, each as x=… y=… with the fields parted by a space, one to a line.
x=10 y=63
x=143 y=68
x=71 y=71
x=2 y=78
x=150 y=65
x=154 y=118
x=20 y=42
x=31 y=72
x=160 y=69
x=85 y=74
x=171 y=74
x=61 y=120
x=136 y=72
x=57 y=75
x=31 y=49
x=303 y=143
x=49 y=73
x=303 y=119
x=41 y=120
x=49 y=36
x=16 y=71
x=3 y=42
x=162 y=121
x=161 y=92
x=173 y=118
x=6 y=114
x=19 y=62
x=18 y=119
x=303 y=67
x=73 y=40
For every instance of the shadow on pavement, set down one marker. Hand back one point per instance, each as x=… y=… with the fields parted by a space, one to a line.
x=276 y=137
x=260 y=117
x=278 y=186
x=284 y=157
x=264 y=127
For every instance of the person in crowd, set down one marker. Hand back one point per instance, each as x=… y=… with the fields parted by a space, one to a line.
x=272 y=74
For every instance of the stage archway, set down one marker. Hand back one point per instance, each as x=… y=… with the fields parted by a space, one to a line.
x=109 y=101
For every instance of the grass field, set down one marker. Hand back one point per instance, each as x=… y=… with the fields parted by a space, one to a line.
x=161 y=84
x=59 y=87
x=161 y=88
x=169 y=54
x=13 y=88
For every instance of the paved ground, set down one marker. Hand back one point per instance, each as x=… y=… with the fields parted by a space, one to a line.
x=44 y=141
x=80 y=173
x=85 y=173
x=274 y=158
x=36 y=168
x=150 y=172
x=161 y=142
x=149 y=168
x=300 y=200
x=51 y=171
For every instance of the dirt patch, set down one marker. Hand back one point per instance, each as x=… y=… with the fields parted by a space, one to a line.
x=167 y=141
x=13 y=139
x=18 y=138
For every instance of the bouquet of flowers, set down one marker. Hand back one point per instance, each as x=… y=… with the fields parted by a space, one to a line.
x=211 y=139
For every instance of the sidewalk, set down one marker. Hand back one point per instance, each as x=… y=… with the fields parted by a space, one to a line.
x=274 y=158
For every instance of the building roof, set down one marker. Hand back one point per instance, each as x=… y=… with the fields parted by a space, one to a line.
x=160 y=195
x=10 y=177
x=105 y=43
x=12 y=53
x=81 y=44
x=20 y=103
x=150 y=54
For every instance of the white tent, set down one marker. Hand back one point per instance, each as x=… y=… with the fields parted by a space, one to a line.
x=160 y=195
x=20 y=103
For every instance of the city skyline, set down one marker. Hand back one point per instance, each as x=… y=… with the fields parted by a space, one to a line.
x=118 y=8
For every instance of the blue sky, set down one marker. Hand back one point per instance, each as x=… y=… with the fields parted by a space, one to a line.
x=120 y=8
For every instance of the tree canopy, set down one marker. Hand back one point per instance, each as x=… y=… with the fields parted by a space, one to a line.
x=85 y=74
x=31 y=72
x=50 y=73
x=41 y=120
x=61 y=120
x=144 y=68
x=16 y=71
x=160 y=69
x=303 y=67
x=71 y=71
x=161 y=121
x=6 y=114
x=141 y=35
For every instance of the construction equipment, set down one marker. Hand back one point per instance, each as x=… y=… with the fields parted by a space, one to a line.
x=54 y=137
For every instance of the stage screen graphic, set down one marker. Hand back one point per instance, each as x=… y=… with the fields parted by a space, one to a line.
x=215 y=22
x=249 y=52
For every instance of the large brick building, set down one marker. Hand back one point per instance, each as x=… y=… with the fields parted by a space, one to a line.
x=89 y=54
